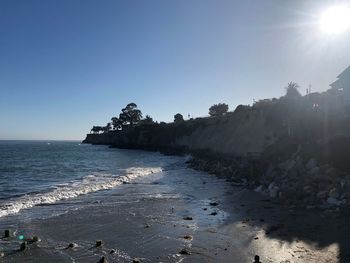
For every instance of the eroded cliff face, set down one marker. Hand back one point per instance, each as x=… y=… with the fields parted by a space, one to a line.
x=235 y=134
x=238 y=135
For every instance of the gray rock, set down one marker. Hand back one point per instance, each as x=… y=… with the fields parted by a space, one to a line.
x=345 y=195
x=290 y=164
x=299 y=163
x=312 y=163
x=333 y=201
x=307 y=188
x=332 y=172
x=259 y=189
x=273 y=190
x=270 y=170
x=287 y=165
x=333 y=193
x=345 y=183
x=322 y=194
x=314 y=171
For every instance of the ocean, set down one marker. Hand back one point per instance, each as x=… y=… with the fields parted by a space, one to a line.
x=41 y=173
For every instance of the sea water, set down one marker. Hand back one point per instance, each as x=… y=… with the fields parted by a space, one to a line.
x=36 y=174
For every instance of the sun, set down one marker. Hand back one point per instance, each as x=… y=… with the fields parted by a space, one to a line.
x=335 y=20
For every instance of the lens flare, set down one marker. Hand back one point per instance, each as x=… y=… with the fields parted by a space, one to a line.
x=335 y=20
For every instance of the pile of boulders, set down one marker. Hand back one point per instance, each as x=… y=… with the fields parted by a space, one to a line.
x=308 y=184
x=295 y=182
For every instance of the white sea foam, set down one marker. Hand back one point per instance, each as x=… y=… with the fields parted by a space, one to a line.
x=88 y=184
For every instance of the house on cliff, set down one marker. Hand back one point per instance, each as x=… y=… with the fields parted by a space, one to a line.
x=342 y=85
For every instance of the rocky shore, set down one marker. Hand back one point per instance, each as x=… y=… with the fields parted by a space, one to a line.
x=290 y=175
x=296 y=183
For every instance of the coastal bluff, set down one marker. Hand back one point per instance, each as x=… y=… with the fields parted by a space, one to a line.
x=295 y=148
x=233 y=134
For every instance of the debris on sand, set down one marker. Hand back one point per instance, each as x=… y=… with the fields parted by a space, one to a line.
x=256 y=259
x=23 y=246
x=34 y=239
x=188 y=237
x=103 y=260
x=72 y=245
x=185 y=251
x=7 y=233
x=98 y=243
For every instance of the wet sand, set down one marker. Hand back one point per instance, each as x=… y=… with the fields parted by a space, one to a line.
x=156 y=217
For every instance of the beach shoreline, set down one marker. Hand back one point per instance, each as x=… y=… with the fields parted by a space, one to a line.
x=182 y=215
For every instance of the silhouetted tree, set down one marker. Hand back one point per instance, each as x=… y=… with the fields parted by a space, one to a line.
x=242 y=108
x=292 y=90
x=107 y=128
x=218 y=109
x=147 y=120
x=178 y=118
x=130 y=114
x=117 y=123
x=96 y=129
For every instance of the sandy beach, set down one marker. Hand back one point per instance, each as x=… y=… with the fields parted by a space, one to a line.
x=181 y=215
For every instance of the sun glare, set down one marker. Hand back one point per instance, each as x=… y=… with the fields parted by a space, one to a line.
x=335 y=20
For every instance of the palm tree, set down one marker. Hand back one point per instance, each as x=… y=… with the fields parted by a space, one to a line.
x=292 y=90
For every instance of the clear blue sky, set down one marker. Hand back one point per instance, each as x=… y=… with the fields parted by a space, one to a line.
x=66 y=65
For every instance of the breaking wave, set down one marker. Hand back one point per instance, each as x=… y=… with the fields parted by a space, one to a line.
x=88 y=184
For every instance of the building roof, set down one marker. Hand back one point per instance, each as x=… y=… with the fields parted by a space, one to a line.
x=345 y=73
x=343 y=80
